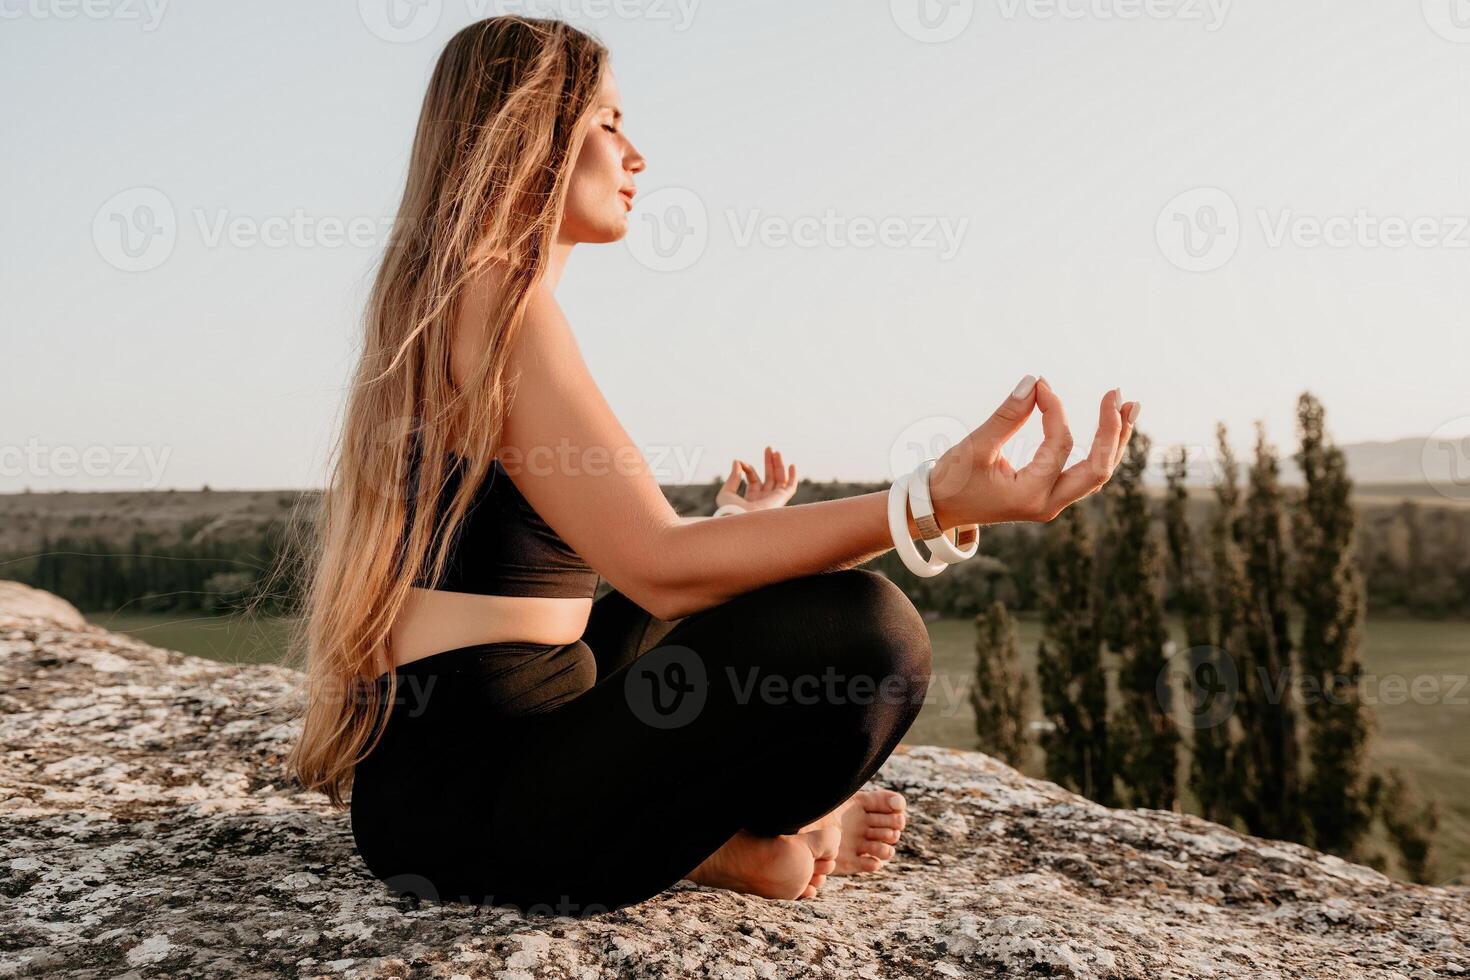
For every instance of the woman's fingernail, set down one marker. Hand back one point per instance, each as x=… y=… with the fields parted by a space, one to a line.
x=1133 y=411
x=1024 y=388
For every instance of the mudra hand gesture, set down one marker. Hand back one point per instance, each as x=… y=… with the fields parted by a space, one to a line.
x=774 y=491
x=972 y=483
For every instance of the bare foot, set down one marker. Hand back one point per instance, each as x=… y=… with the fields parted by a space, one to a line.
x=789 y=866
x=870 y=821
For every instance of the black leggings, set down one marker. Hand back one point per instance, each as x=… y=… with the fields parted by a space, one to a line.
x=763 y=713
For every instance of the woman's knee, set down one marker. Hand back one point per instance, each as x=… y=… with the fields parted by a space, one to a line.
x=872 y=632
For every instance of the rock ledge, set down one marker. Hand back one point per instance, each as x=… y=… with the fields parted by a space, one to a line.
x=150 y=831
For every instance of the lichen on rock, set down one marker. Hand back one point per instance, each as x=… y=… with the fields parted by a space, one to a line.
x=151 y=830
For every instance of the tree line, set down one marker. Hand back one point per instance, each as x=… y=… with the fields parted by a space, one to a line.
x=1259 y=719
x=1415 y=560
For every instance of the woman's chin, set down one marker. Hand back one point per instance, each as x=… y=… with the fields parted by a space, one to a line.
x=613 y=232
x=609 y=229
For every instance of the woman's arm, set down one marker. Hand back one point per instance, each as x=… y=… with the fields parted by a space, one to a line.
x=576 y=465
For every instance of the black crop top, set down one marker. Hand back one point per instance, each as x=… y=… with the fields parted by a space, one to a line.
x=503 y=547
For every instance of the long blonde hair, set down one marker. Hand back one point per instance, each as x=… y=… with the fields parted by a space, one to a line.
x=487 y=182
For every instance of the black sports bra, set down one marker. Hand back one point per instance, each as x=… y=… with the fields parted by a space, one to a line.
x=503 y=547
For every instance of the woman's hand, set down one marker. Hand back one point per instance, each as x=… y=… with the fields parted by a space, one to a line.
x=774 y=491
x=972 y=483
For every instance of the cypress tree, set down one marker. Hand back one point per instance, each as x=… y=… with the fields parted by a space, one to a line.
x=999 y=694
x=1217 y=761
x=1144 y=735
x=1207 y=767
x=1411 y=823
x=1266 y=759
x=1074 y=693
x=1328 y=589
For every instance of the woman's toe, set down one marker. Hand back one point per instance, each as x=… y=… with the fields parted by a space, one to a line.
x=877 y=849
x=890 y=821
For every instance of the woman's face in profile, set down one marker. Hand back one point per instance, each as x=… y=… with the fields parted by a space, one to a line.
x=602 y=186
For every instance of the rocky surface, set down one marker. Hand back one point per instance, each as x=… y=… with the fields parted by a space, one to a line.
x=149 y=830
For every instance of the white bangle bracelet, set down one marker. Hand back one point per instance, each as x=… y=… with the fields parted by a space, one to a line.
x=921 y=504
x=728 y=509
x=898 y=529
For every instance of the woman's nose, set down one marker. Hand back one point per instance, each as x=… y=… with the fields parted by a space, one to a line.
x=634 y=161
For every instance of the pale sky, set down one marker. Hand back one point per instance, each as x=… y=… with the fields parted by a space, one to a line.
x=861 y=223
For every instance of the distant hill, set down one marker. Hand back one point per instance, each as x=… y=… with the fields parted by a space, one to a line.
x=1414 y=461
x=1384 y=473
x=1413 y=467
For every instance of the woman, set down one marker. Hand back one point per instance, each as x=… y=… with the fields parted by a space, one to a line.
x=505 y=738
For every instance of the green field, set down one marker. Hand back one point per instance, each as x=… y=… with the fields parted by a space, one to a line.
x=1430 y=741
x=230 y=639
